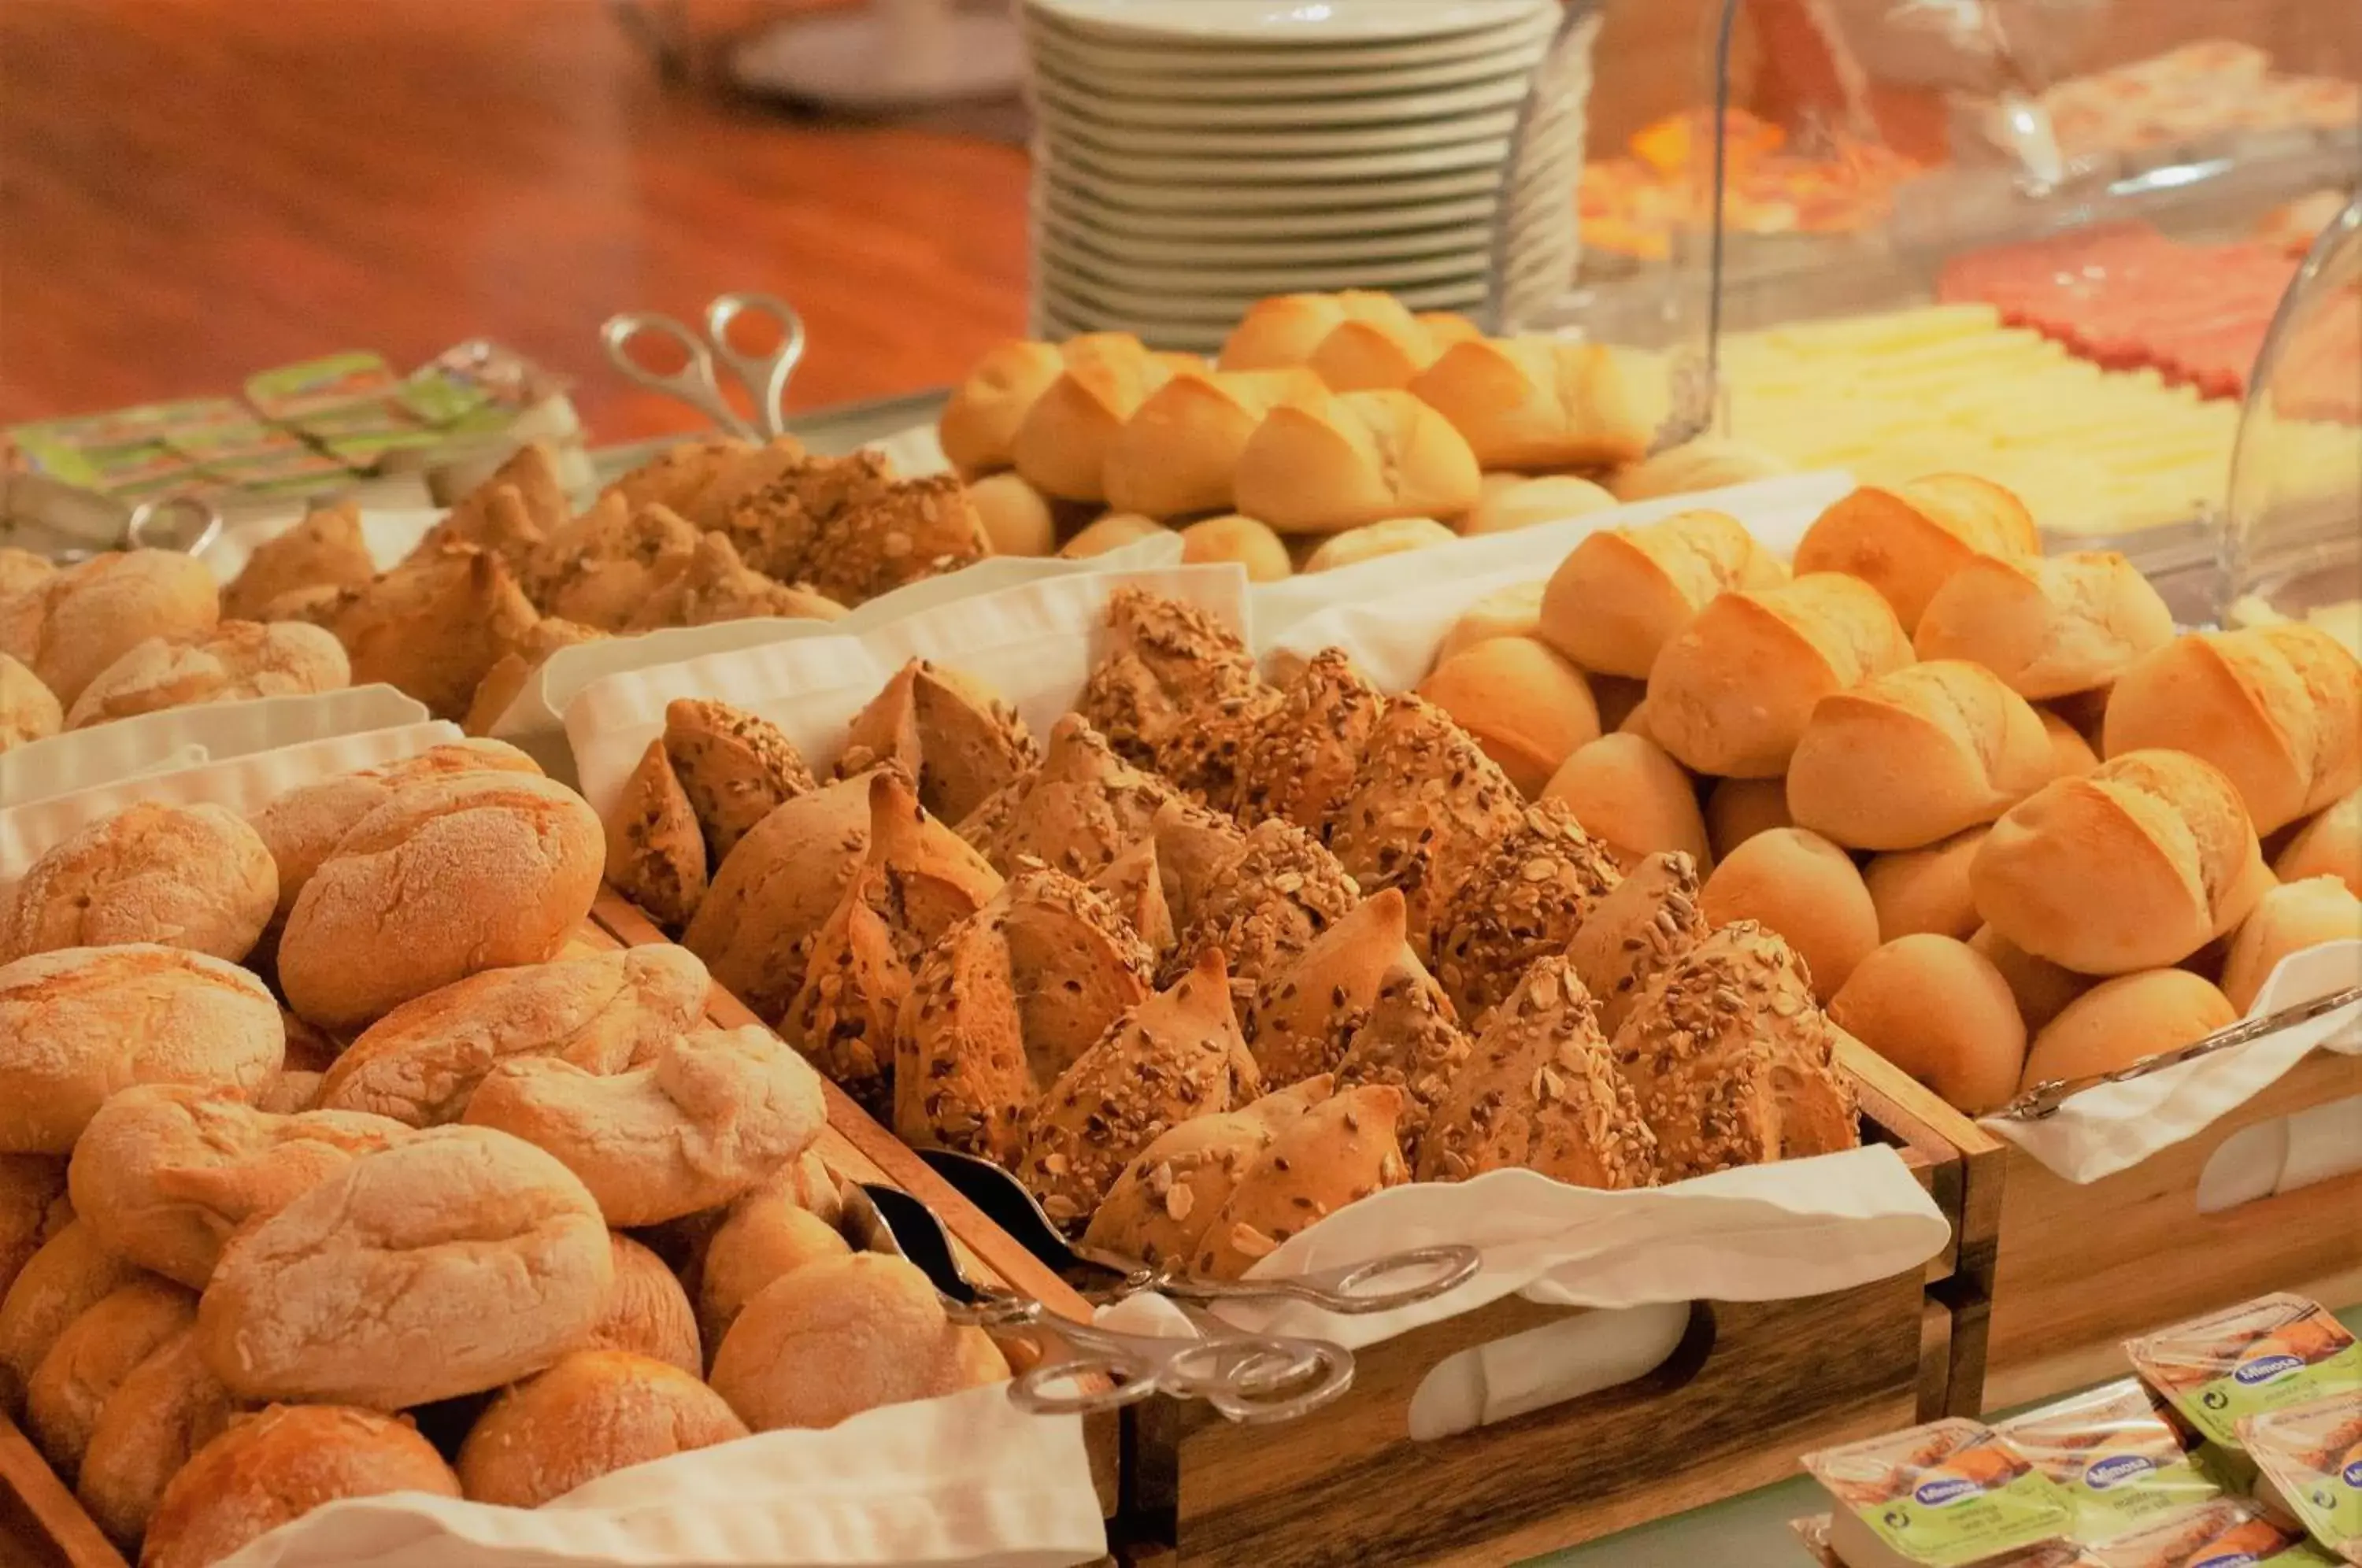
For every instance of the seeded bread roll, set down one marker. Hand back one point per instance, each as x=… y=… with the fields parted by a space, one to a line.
x=1623 y=593
x=1528 y=708
x=1530 y=502
x=70 y=1273
x=1334 y=463
x=2289 y=919
x=2278 y=709
x=2046 y=625
x=1174 y=689
x=2329 y=845
x=2135 y=866
x=1739 y=809
x=80 y=1025
x=979 y=423
x=1178 y=453
x=1798 y=884
x=2120 y=1021
x=80 y=621
x=655 y=856
x=1166 y=1201
x=1635 y=931
x=1300 y=766
x=768 y=1233
x=326 y=549
x=1915 y=755
x=948 y=731
x=235 y=661
x=1526 y=899
x=449 y=877
x=1941 y=1012
x=1733 y=692
x=454 y=1262
x=190 y=876
x=1535 y=403
x=1062 y=447
x=90 y=1359
x=164 y=1410
x=1636 y=798
x=1909 y=540
x=29 y=709
x=1409 y=1041
x=595 y=1412
x=1337 y=1153
x=1075 y=812
x=435 y=626
x=274 y=1468
x=1301 y=1023
x=1927 y=889
x=736 y=768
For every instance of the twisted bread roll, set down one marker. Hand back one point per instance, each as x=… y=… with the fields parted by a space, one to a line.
x=1535 y=403
x=1623 y=593
x=2047 y=625
x=1908 y=541
x=188 y=877
x=33 y=1207
x=1917 y=755
x=1334 y=463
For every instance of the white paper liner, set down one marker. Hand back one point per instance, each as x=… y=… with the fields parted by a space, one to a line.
x=965 y=1480
x=2116 y=1126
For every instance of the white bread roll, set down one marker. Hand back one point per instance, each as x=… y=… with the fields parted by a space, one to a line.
x=2135 y=866
x=1917 y=755
x=1178 y=453
x=1732 y=693
x=1536 y=402
x=1907 y=540
x=1110 y=531
x=1379 y=346
x=1528 y=708
x=2279 y=709
x=1396 y=535
x=1942 y=1012
x=1622 y=595
x=1234 y=537
x=1286 y=330
x=190 y=876
x=83 y=619
x=977 y=428
x=2046 y=624
x=1515 y=612
x=237 y=662
x=2070 y=754
x=595 y=1412
x=29 y=709
x=1927 y=889
x=1016 y=517
x=166 y=1409
x=89 y=1361
x=2329 y=845
x=1707 y=463
x=1340 y=462
x=273 y=1467
x=2118 y=1022
x=1628 y=792
x=66 y=1277
x=1739 y=809
x=2289 y=919
x=1805 y=889
x=1062 y=447
x=1528 y=503
x=2042 y=989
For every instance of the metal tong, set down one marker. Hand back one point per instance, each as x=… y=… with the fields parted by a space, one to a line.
x=2044 y=1100
x=764 y=375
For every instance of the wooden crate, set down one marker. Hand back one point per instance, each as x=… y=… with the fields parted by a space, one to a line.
x=2083 y=1269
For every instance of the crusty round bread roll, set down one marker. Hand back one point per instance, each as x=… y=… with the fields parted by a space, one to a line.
x=91 y=1357
x=1110 y=531
x=235 y=661
x=1234 y=537
x=1628 y=792
x=648 y=1312
x=2042 y=989
x=2070 y=754
x=1395 y=536
x=1535 y=403
x=2329 y=845
x=190 y=877
x=1739 y=809
x=69 y=1275
x=1527 y=502
x=29 y=709
x=2133 y=865
x=769 y=1234
x=165 y=1408
x=1917 y=755
x=22 y=570
x=2289 y=919
x=2047 y=625
x=1062 y=447
x=79 y=1025
x=1709 y=462
x=1338 y=462
x=88 y=616
x=1178 y=453
x=33 y=1207
x=1805 y=889
x=1623 y=593
x=1016 y=517
x=1938 y=1009
x=2279 y=709
x=1373 y=353
x=838 y=1337
x=979 y=423
x=276 y=1466
x=450 y=877
x=1285 y=329
x=1513 y=612
x=1732 y=693
x=1927 y=889
x=1529 y=709
x=454 y=1262
x=595 y=1412
x=2118 y=1022
x=1907 y=540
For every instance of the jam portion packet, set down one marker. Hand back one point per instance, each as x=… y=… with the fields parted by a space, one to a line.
x=2120 y=1462
x=2263 y=1355
x=1946 y=1495
x=2311 y=1457
x=2226 y=1533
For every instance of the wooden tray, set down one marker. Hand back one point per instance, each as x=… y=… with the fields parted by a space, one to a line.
x=2083 y=1269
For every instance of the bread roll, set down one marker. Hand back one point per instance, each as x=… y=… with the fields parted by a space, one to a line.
x=1623 y=593
x=1336 y=1154
x=1395 y=536
x=733 y=765
x=1061 y=445
x=33 y=1207
x=1909 y=540
x=1299 y=1025
x=449 y=877
x=1302 y=763
x=1110 y=531
x=435 y=625
x=1733 y=692
x=769 y=1234
x=1802 y=887
x=29 y=709
x=1335 y=463
x=164 y=1410
x=1178 y=453
x=1535 y=403
x=1915 y=755
x=22 y=570
x=1636 y=798
x=274 y=1468
x=1739 y=809
x=79 y=1025
x=1506 y=613
x=2329 y=845
x=655 y=856
x=2118 y=1022
x=1175 y=689
x=1927 y=889
x=2070 y=754
x=2135 y=866
x=948 y=731
x=188 y=877
x=457 y=1261
x=979 y=423
x=327 y=549
x=1285 y=329
x=1080 y=808
x=2279 y=709
x=1232 y=537
x=86 y=617
x=595 y=1412
x=1528 y=708
x=1016 y=517
x=2046 y=625
x=2289 y=919
x=1938 y=1009
x=1635 y=931
x=2042 y=989
x=237 y=662
x=1526 y=897
x=1706 y=463
x=833 y=1339
x=1378 y=346
x=70 y=1273
x=1528 y=503
x=91 y=1357
x=1168 y=1198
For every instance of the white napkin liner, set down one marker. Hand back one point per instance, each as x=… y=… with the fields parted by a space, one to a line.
x=390 y=533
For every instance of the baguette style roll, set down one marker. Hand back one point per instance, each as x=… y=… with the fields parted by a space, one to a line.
x=1337 y=462
x=1732 y=694
x=1622 y=595
x=2048 y=625
x=1395 y=536
x=1016 y=517
x=1062 y=447
x=1626 y=789
x=1282 y=330
x=1801 y=887
x=2042 y=989
x=2135 y=866
x=978 y=426
x=1236 y=538
x=1917 y=755
x=1906 y=541
x=1739 y=809
x=2289 y=919
x=1535 y=403
x=1927 y=889
x=1179 y=452
x=2279 y=709
x=1378 y=346
x=1513 y=612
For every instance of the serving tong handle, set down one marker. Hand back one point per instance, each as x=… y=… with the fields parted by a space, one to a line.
x=2043 y=1100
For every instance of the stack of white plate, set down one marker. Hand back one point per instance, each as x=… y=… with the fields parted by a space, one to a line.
x=1192 y=156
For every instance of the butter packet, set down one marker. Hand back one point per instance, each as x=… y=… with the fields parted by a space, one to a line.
x=2260 y=1356
x=1815 y=1535
x=1943 y=1496
x=2120 y=1462
x=2225 y=1533
x=2310 y=1456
